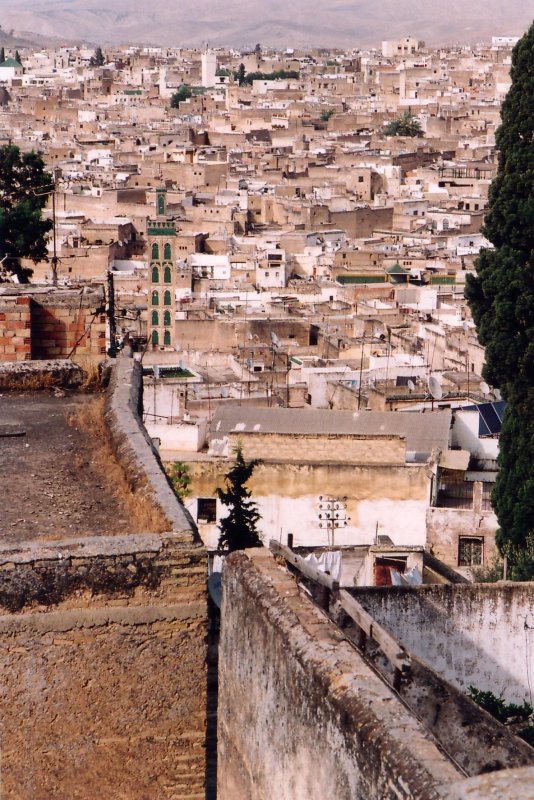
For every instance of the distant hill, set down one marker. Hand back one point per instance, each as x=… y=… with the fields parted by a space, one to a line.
x=344 y=23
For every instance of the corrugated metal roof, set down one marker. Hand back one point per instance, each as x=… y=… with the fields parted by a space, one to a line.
x=423 y=431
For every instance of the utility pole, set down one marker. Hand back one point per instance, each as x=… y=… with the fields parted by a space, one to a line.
x=332 y=515
x=112 y=351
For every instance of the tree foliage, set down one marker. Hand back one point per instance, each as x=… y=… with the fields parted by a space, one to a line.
x=24 y=190
x=240 y=74
x=501 y=297
x=97 y=60
x=183 y=93
x=180 y=477
x=18 y=59
x=239 y=529
x=2 y=55
x=405 y=125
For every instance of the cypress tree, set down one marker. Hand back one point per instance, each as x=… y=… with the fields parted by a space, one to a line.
x=2 y=55
x=239 y=529
x=501 y=297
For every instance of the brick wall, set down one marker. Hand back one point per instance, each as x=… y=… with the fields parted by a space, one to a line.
x=15 y=329
x=67 y=322
x=52 y=324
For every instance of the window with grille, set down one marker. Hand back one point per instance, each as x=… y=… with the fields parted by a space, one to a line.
x=455 y=493
x=470 y=551
x=487 y=489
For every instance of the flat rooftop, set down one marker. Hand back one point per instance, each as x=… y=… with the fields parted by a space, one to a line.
x=51 y=485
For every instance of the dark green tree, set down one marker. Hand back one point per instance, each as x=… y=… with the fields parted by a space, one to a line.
x=183 y=93
x=240 y=74
x=2 y=55
x=97 y=60
x=239 y=529
x=18 y=58
x=24 y=190
x=405 y=125
x=501 y=297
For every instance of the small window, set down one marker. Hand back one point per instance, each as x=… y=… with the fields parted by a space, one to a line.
x=167 y=298
x=155 y=252
x=167 y=338
x=207 y=510
x=470 y=551
x=166 y=317
x=155 y=275
x=155 y=318
x=167 y=252
x=155 y=298
x=360 y=178
x=155 y=338
x=167 y=275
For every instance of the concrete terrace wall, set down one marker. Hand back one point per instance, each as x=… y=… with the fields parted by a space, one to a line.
x=103 y=647
x=301 y=715
x=480 y=635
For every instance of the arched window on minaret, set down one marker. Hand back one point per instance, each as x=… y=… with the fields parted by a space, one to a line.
x=167 y=298
x=166 y=337
x=167 y=253
x=166 y=317
x=155 y=275
x=167 y=275
x=155 y=337
x=155 y=318
x=155 y=252
x=155 y=298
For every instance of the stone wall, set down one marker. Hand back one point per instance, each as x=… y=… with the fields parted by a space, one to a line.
x=480 y=635
x=317 y=721
x=306 y=448
x=101 y=655
x=103 y=646
x=445 y=526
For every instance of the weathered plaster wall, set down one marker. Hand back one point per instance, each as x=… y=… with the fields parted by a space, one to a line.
x=102 y=662
x=393 y=497
x=317 y=722
x=480 y=635
x=446 y=525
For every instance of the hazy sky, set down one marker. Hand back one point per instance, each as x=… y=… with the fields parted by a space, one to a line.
x=273 y=22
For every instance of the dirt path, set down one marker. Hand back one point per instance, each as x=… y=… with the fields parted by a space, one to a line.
x=49 y=487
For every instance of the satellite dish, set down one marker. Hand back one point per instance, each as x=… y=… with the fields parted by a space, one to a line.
x=497 y=393
x=214 y=588
x=465 y=326
x=434 y=387
x=155 y=371
x=224 y=391
x=250 y=364
x=181 y=364
x=411 y=386
x=274 y=339
x=484 y=388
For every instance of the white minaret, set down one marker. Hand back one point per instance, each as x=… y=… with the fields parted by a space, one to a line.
x=209 y=68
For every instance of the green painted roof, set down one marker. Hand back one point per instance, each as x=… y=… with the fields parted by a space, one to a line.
x=10 y=62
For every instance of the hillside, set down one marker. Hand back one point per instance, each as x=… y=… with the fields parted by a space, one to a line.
x=271 y=22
